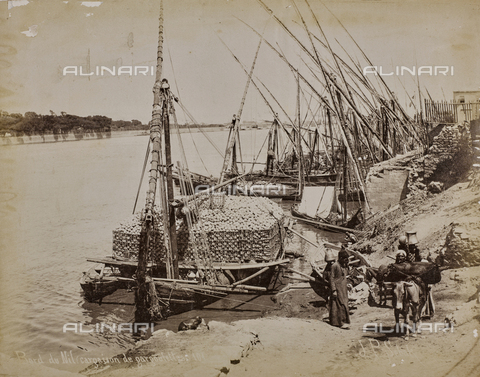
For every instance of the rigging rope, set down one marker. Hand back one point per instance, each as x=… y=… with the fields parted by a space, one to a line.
x=143 y=174
x=206 y=255
x=199 y=128
x=186 y=112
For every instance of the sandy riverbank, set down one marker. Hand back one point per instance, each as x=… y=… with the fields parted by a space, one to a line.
x=293 y=339
x=308 y=346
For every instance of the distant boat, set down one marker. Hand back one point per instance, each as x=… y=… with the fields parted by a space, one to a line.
x=319 y=203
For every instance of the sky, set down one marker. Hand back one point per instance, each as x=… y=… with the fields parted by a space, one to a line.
x=39 y=38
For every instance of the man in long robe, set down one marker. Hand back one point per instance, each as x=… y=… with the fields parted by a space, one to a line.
x=338 y=303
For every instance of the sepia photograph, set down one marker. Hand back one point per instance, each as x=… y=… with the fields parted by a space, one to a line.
x=212 y=188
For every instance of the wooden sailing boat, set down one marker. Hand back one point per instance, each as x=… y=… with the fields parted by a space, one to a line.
x=320 y=203
x=280 y=177
x=183 y=253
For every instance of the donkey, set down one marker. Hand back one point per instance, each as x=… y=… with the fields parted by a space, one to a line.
x=406 y=295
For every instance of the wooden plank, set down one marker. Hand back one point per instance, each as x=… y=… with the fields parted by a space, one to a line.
x=177 y=301
x=310 y=278
x=113 y=262
x=332 y=246
x=176 y=280
x=217 y=266
x=251 y=276
x=252 y=288
x=304 y=238
x=293 y=286
x=213 y=289
x=295 y=278
x=329 y=226
x=300 y=286
x=355 y=253
x=237 y=266
x=191 y=288
x=165 y=280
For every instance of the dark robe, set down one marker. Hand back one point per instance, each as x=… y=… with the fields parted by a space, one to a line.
x=338 y=306
x=413 y=254
x=327 y=272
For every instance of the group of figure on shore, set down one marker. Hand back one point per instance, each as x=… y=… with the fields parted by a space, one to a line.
x=336 y=274
x=407 y=251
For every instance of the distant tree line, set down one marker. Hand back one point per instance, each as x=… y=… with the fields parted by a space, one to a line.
x=32 y=123
x=16 y=124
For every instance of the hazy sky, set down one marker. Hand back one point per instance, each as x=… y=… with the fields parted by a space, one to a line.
x=41 y=37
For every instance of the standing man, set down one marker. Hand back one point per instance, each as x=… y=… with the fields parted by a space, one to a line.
x=401 y=257
x=327 y=272
x=413 y=253
x=338 y=303
x=409 y=245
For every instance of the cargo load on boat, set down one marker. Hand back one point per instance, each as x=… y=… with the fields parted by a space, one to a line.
x=228 y=229
x=239 y=229
x=126 y=237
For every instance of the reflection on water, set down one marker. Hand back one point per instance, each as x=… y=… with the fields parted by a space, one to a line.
x=59 y=203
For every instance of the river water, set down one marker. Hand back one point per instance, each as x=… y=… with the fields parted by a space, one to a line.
x=59 y=203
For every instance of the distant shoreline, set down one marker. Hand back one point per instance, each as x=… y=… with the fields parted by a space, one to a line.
x=61 y=138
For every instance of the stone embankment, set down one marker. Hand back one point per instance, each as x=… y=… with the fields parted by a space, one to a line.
x=440 y=200
x=446 y=162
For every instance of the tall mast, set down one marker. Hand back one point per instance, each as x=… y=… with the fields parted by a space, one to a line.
x=301 y=176
x=146 y=302
x=162 y=103
x=234 y=135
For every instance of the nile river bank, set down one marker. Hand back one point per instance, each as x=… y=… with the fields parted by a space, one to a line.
x=292 y=338
x=59 y=205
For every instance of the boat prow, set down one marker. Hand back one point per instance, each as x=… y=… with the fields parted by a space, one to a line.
x=97 y=285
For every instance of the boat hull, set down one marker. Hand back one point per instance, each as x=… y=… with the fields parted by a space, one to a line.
x=96 y=288
x=177 y=296
x=300 y=215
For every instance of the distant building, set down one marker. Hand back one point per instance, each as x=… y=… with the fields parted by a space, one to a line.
x=464 y=107
x=468 y=104
x=466 y=96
